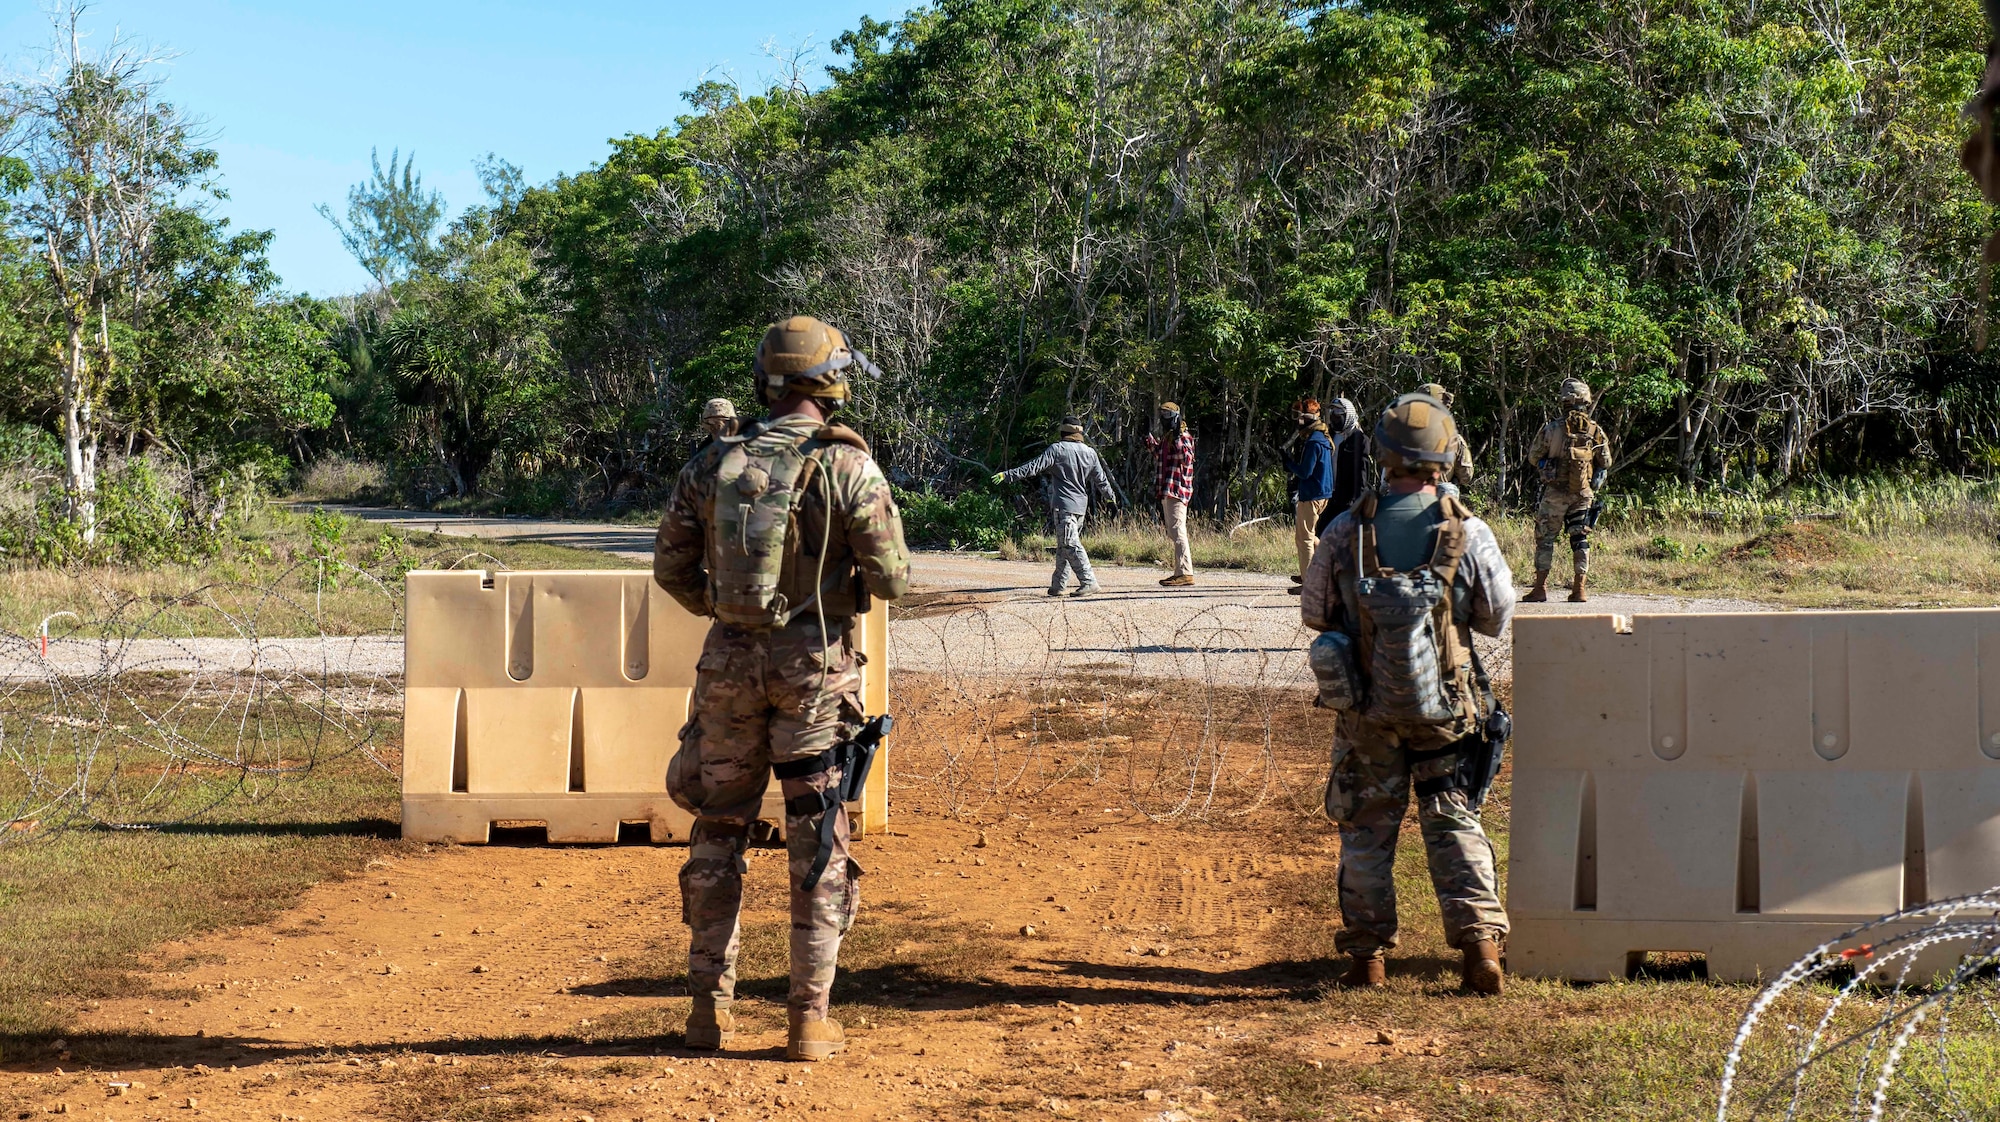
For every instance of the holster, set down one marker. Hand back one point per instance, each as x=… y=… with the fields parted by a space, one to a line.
x=854 y=757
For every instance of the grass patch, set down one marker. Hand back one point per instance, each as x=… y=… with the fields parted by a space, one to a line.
x=78 y=908
x=271 y=580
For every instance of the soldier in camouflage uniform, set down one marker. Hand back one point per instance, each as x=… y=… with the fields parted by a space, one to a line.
x=1378 y=764
x=781 y=694
x=1573 y=454
x=1461 y=465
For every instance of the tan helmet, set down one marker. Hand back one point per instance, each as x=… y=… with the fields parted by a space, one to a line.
x=1436 y=391
x=1574 y=393
x=718 y=407
x=800 y=354
x=1416 y=434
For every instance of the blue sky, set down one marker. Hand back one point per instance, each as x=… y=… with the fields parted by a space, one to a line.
x=296 y=93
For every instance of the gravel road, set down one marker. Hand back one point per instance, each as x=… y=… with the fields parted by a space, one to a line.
x=971 y=615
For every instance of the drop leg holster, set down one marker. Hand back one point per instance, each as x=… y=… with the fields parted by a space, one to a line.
x=853 y=757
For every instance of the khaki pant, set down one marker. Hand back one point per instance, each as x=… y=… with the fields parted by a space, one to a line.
x=1305 y=524
x=1175 y=513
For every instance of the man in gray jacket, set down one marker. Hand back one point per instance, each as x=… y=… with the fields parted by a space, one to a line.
x=1071 y=472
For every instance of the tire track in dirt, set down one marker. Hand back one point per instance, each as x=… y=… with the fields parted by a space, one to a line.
x=542 y=975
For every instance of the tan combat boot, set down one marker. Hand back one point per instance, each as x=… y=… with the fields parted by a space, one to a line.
x=1576 y=595
x=709 y=1026
x=1482 y=968
x=1365 y=972
x=1540 y=593
x=813 y=1039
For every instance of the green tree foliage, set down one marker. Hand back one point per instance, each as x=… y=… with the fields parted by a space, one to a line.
x=133 y=324
x=391 y=219
x=1742 y=223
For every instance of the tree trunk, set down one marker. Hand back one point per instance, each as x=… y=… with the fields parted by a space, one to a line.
x=79 y=442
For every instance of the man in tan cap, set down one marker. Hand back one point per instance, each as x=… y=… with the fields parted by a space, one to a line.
x=1174 y=481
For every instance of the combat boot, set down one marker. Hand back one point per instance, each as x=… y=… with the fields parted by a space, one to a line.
x=813 y=1038
x=1540 y=593
x=1088 y=588
x=1366 y=972
x=709 y=1026
x=1576 y=595
x=1482 y=968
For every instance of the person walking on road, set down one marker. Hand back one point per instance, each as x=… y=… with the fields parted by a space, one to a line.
x=1071 y=472
x=1352 y=466
x=781 y=534
x=1405 y=578
x=1173 y=480
x=1312 y=483
x=1573 y=455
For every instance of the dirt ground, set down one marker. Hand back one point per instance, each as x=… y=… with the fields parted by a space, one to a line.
x=1059 y=960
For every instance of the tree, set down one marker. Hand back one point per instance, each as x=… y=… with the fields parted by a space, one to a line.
x=105 y=158
x=391 y=219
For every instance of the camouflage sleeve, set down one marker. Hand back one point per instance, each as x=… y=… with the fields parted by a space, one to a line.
x=875 y=527
x=1601 y=455
x=1322 y=602
x=1492 y=580
x=680 y=551
x=1461 y=469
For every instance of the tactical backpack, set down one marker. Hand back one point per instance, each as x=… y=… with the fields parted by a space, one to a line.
x=755 y=543
x=1406 y=643
x=1574 y=466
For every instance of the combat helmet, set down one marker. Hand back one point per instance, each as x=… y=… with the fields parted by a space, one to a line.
x=1436 y=391
x=801 y=354
x=1575 y=394
x=1416 y=434
x=718 y=407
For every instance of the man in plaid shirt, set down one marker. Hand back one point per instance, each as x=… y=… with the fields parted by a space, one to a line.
x=1174 y=480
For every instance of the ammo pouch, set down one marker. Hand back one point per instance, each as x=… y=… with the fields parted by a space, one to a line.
x=1406 y=671
x=854 y=757
x=1479 y=752
x=1340 y=685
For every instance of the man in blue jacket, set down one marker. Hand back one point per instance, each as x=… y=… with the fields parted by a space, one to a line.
x=1312 y=483
x=1072 y=472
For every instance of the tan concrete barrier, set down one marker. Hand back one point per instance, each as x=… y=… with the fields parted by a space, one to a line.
x=1745 y=786
x=558 y=697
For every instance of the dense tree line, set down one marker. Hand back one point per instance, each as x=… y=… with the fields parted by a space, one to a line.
x=1741 y=222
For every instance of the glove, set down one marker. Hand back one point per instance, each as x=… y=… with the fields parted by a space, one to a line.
x=999 y=477
x=1597 y=480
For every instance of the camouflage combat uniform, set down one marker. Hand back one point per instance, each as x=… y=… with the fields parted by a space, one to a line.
x=1563 y=507
x=765 y=697
x=1368 y=791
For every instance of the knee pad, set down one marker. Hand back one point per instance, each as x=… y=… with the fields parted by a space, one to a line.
x=1579 y=540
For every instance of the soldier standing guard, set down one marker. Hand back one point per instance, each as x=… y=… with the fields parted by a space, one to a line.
x=781 y=534
x=1573 y=454
x=1461 y=467
x=1404 y=579
x=718 y=418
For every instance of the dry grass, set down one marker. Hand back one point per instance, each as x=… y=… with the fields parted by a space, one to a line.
x=1871 y=559
x=268 y=581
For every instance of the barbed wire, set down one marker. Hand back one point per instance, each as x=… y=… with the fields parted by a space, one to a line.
x=1832 y=1036
x=152 y=710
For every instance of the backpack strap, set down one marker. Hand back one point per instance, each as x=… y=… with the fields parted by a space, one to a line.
x=1367 y=558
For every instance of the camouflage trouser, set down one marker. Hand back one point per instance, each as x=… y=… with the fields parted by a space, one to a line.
x=1560 y=511
x=1069 y=551
x=1367 y=794
x=761 y=699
